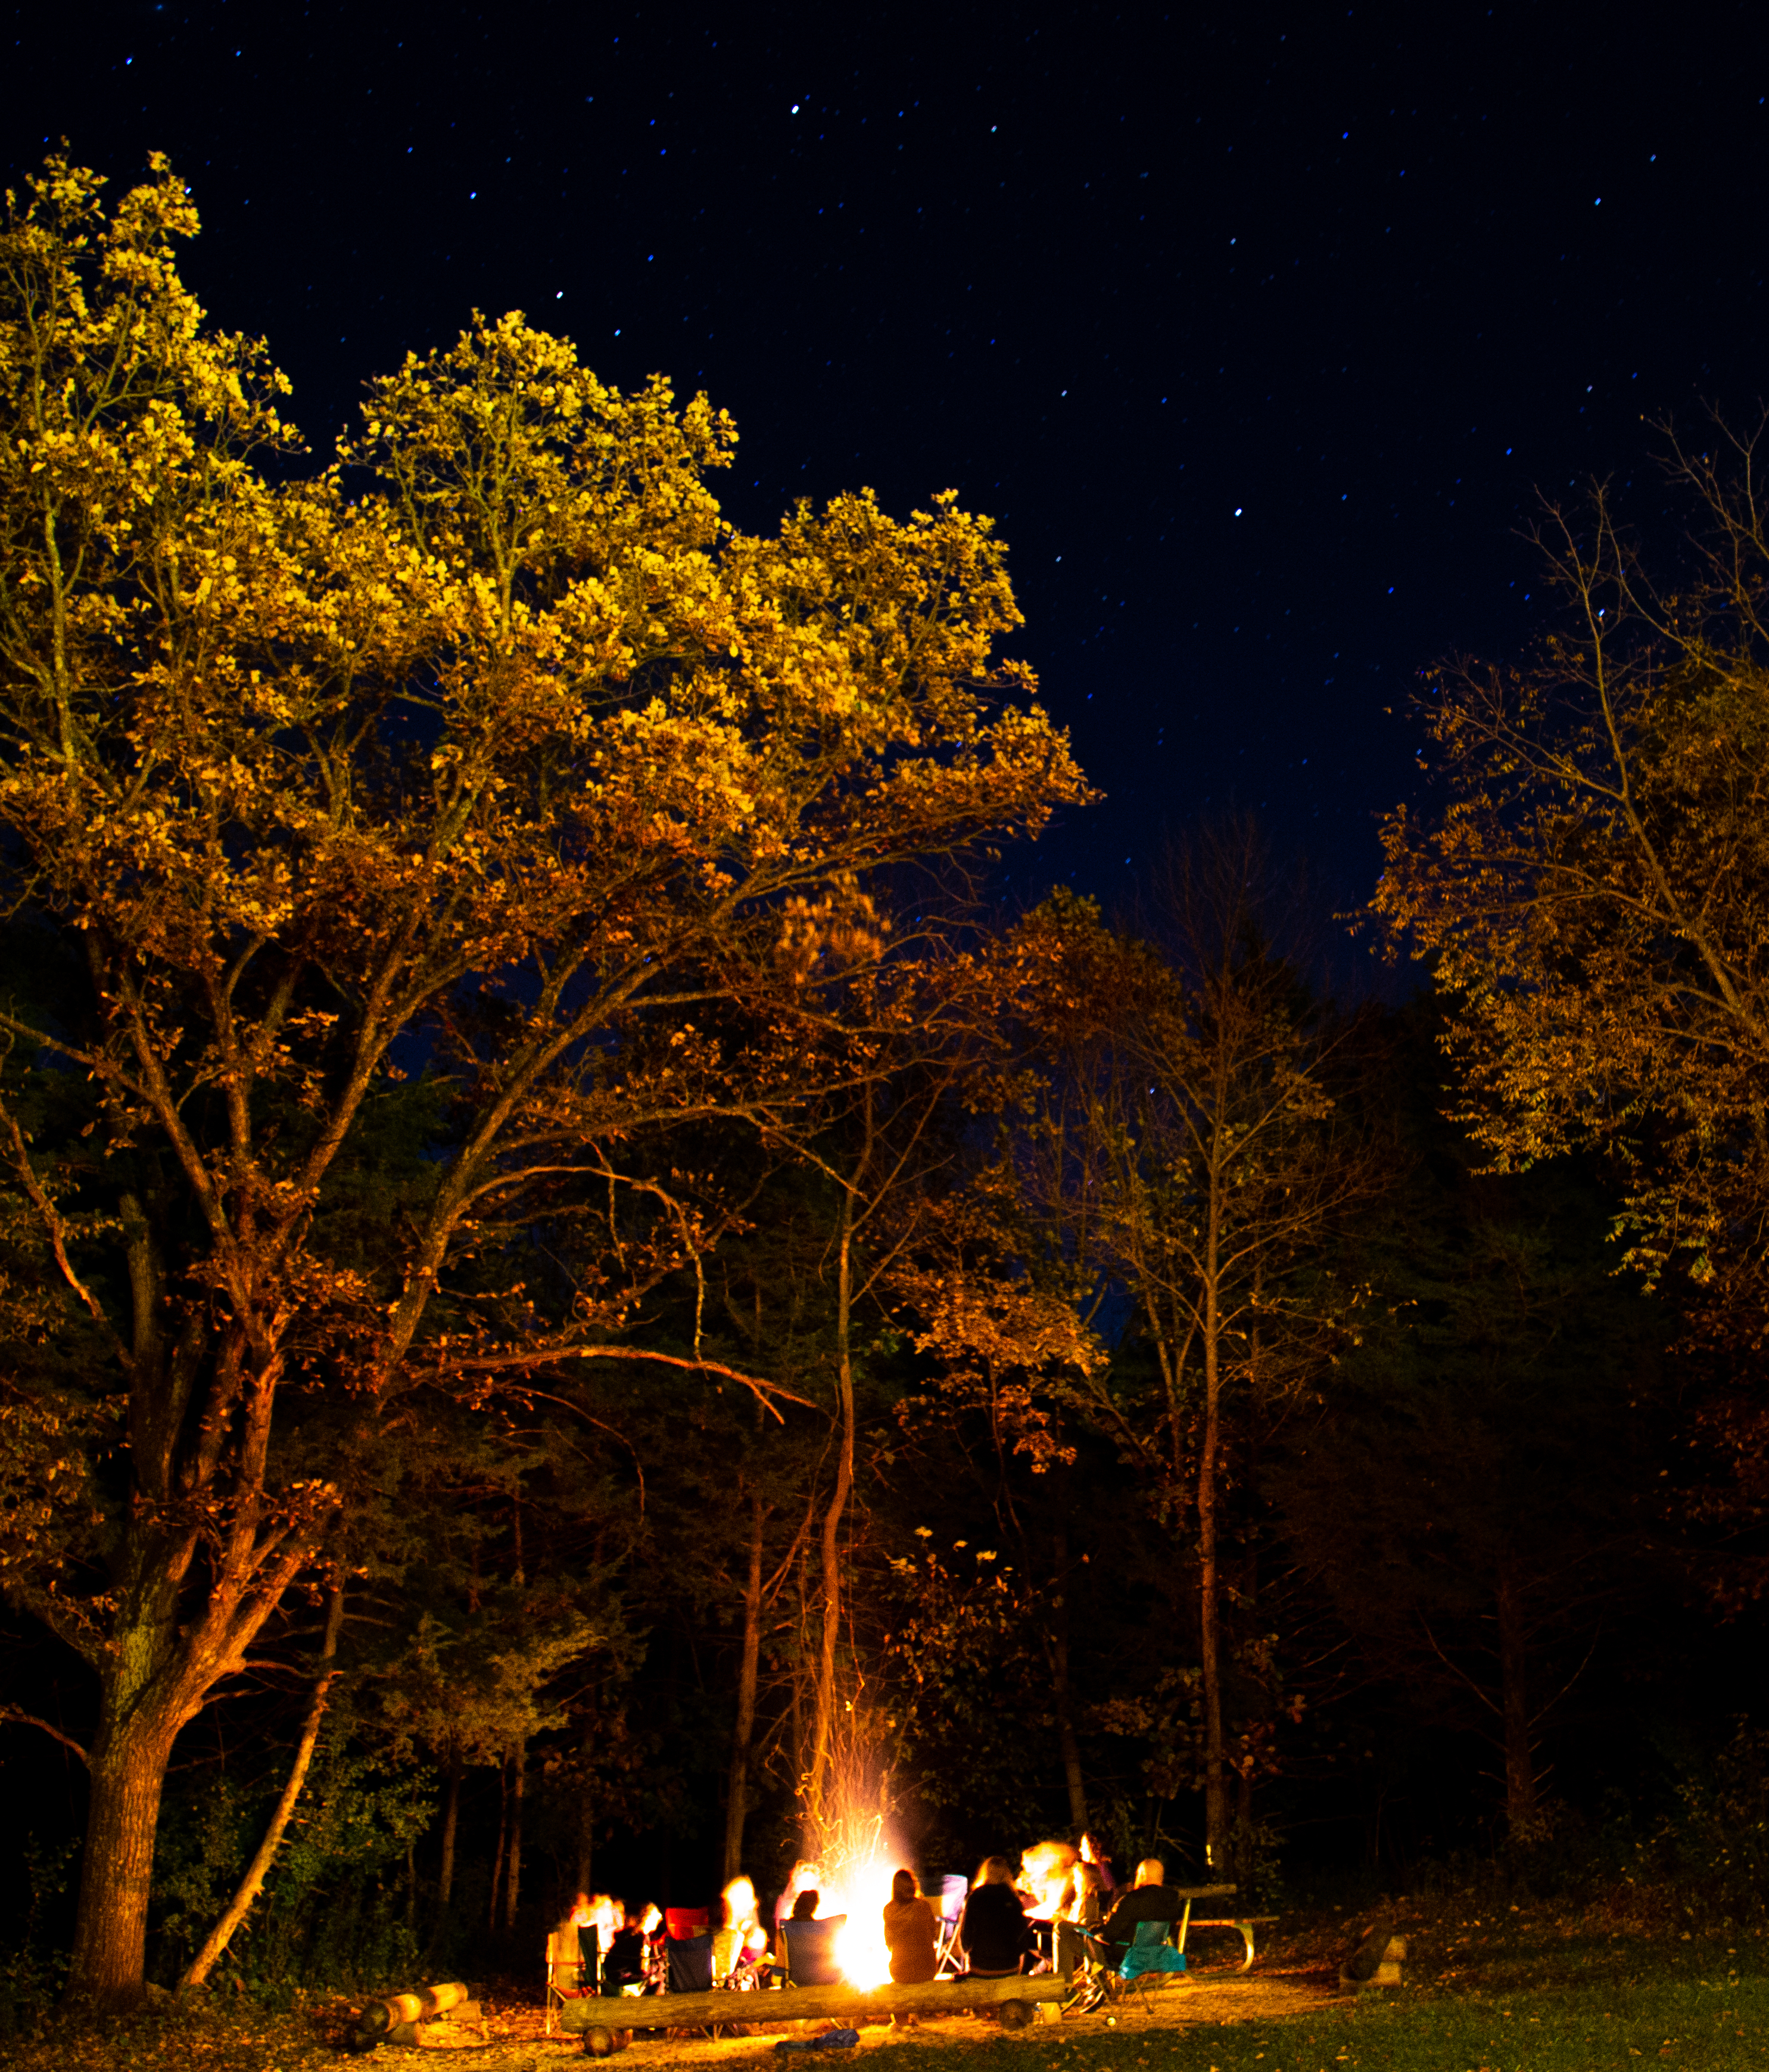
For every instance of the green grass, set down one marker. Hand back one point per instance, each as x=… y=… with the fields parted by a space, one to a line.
x=1579 y=2031
x=1523 y=1996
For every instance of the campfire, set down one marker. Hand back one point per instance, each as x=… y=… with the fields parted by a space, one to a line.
x=860 y=1891
x=856 y=1859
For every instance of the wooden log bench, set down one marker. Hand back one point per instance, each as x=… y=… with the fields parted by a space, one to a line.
x=606 y=2025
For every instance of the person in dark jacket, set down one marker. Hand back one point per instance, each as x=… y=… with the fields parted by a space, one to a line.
x=1150 y=1899
x=993 y=1933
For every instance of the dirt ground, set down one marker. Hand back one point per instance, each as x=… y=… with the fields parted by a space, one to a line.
x=517 y=2044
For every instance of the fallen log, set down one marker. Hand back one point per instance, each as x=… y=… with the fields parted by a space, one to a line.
x=381 y=2019
x=604 y=2023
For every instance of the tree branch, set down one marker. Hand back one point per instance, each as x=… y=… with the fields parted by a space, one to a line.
x=55 y=1733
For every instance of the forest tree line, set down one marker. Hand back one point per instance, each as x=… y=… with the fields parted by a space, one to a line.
x=574 y=1287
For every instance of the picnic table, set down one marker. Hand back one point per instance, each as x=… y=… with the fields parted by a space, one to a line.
x=1243 y=1924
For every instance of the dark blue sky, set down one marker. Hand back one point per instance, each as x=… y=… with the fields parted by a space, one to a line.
x=1258 y=332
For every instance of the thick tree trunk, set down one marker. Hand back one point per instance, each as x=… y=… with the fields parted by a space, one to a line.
x=128 y=1756
x=748 y=1669
x=1521 y=1799
x=252 y=1883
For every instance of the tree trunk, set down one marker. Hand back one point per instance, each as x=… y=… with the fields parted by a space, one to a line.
x=1216 y=1782
x=497 y=1859
x=451 y=1824
x=512 y=1879
x=128 y=1756
x=252 y=1883
x=586 y=1819
x=1521 y=1801
x=1063 y=1696
x=737 y=1800
x=823 y=1724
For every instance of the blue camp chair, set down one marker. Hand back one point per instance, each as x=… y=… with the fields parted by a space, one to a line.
x=811 y=1950
x=1151 y=1954
x=690 y=1962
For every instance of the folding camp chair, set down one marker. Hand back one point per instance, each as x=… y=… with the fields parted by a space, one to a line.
x=1151 y=1954
x=564 y=1974
x=953 y=1892
x=690 y=1962
x=811 y=1950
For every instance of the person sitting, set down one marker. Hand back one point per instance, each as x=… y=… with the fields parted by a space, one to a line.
x=910 y=1933
x=727 y=1942
x=655 y=1931
x=1078 y=1917
x=566 y=1960
x=1150 y=1899
x=810 y=1943
x=739 y=1938
x=623 y=1961
x=992 y=1934
x=806 y=1877
x=1092 y=1853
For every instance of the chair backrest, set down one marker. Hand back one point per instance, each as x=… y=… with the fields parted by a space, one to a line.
x=1151 y=1952
x=624 y=1963
x=681 y=1922
x=953 y=1892
x=811 y=1950
x=691 y=1964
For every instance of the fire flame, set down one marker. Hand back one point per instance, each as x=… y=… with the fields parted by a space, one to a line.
x=860 y=1948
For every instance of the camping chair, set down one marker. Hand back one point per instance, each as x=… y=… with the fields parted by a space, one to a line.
x=690 y=1972
x=953 y=1892
x=690 y=1962
x=1151 y=1956
x=811 y=1950
x=564 y=1974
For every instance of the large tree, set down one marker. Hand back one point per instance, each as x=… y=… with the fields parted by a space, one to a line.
x=1592 y=893
x=489 y=754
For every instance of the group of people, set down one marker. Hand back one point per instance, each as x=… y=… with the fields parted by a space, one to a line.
x=1064 y=1908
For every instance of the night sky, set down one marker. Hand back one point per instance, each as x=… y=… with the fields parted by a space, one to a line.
x=1258 y=334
